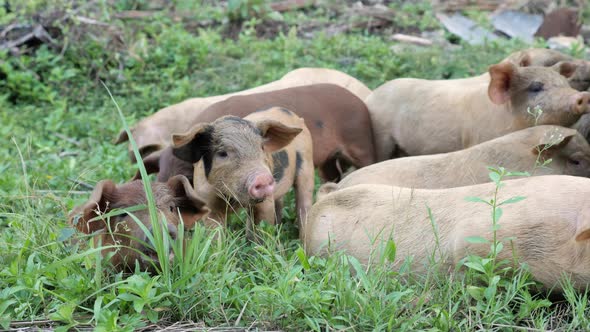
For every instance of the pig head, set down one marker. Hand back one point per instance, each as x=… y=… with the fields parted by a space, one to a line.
x=235 y=156
x=579 y=79
x=174 y=199
x=524 y=88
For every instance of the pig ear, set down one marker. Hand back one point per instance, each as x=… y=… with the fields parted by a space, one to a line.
x=501 y=77
x=122 y=137
x=558 y=139
x=565 y=68
x=276 y=134
x=192 y=208
x=583 y=225
x=151 y=163
x=192 y=145
x=525 y=61
x=100 y=199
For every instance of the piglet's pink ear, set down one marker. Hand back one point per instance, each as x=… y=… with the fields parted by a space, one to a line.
x=100 y=200
x=276 y=134
x=583 y=225
x=192 y=208
x=502 y=76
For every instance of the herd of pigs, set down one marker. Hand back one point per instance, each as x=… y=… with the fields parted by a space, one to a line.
x=386 y=157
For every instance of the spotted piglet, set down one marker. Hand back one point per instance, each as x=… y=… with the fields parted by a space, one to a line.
x=250 y=162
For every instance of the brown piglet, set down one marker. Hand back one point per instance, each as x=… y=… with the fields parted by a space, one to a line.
x=250 y=163
x=153 y=132
x=174 y=199
x=338 y=121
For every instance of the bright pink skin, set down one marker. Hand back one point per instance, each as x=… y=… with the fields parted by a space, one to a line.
x=580 y=102
x=261 y=185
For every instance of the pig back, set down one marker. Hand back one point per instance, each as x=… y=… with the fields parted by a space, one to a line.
x=337 y=119
x=544 y=225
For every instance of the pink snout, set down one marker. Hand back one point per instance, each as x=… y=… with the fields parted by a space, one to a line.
x=580 y=103
x=261 y=185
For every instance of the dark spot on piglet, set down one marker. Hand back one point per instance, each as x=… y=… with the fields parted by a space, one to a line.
x=319 y=124
x=280 y=162
x=298 y=161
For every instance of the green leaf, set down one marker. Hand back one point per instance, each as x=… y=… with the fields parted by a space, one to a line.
x=495 y=177
x=5 y=321
x=475 y=292
x=475 y=266
x=476 y=200
x=390 y=250
x=152 y=316
x=360 y=271
x=128 y=297
x=476 y=239
x=490 y=292
x=518 y=174
x=498 y=214
x=303 y=258
x=512 y=200
x=138 y=305
x=499 y=247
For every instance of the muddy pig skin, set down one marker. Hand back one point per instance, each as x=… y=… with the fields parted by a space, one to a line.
x=417 y=117
x=579 y=80
x=550 y=227
x=523 y=150
x=173 y=198
x=153 y=133
x=338 y=121
x=250 y=163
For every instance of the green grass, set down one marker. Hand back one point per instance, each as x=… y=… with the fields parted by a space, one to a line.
x=58 y=123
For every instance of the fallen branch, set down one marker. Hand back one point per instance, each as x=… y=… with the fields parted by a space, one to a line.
x=38 y=32
x=411 y=39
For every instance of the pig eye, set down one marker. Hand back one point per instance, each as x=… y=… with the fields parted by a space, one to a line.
x=574 y=162
x=222 y=154
x=171 y=208
x=536 y=87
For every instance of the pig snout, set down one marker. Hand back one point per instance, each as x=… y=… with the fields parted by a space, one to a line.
x=172 y=231
x=261 y=185
x=150 y=252
x=580 y=103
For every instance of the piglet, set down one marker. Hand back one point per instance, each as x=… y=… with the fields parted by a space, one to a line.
x=174 y=199
x=153 y=132
x=579 y=79
x=250 y=162
x=417 y=117
x=541 y=150
x=550 y=228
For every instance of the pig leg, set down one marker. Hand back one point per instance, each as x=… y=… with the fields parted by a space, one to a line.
x=304 y=185
x=215 y=219
x=279 y=211
x=385 y=146
x=265 y=211
x=262 y=211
